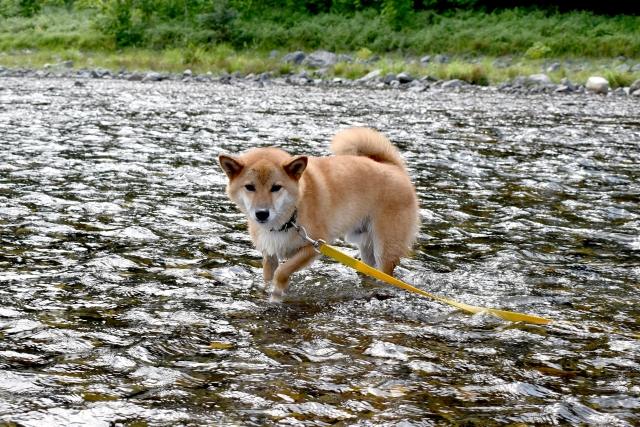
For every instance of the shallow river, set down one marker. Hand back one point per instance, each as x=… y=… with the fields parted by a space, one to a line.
x=130 y=292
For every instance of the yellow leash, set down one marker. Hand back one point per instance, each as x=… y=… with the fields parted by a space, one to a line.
x=360 y=266
x=349 y=261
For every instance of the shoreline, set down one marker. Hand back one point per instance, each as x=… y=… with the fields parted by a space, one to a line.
x=403 y=81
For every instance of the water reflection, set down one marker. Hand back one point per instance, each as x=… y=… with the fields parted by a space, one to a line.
x=131 y=292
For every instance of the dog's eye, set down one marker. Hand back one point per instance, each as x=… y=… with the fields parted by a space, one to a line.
x=275 y=188
x=250 y=187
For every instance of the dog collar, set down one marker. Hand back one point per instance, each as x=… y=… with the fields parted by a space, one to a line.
x=289 y=224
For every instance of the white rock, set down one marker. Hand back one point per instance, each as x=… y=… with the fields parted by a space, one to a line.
x=152 y=76
x=539 y=79
x=553 y=67
x=453 y=84
x=404 y=77
x=597 y=84
x=417 y=88
x=321 y=58
x=373 y=75
x=295 y=57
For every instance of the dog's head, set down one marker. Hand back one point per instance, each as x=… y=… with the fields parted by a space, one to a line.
x=263 y=183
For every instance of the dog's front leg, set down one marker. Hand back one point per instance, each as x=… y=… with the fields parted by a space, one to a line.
x=281 y=276
x=269 y=265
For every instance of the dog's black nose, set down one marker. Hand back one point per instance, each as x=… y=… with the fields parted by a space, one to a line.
x=262 y=216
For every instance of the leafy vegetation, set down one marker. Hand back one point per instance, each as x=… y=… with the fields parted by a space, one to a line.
x=412 y=27
x=237 y=35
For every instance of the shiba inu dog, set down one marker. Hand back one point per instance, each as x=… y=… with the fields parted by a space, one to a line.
x=362 y=193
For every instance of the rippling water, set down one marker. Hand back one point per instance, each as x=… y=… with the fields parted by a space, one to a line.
x=130 y=291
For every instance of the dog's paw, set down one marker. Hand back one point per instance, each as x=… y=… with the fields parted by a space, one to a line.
x=276 y=296
x=266 y=286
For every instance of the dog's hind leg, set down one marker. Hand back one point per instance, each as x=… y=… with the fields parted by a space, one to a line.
x=365 y=246
x=388 y=258
x=393 y=235
x=361 y=236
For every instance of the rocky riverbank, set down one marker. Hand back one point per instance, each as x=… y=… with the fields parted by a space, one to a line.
x=316 y=71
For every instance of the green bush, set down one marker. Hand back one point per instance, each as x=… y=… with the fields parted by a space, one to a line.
x=219 y=19
x=118 y=21
x=408 y=26
x=470 y=73
x=619 y=79
x=539 y=50
x=167 y=23
x=164 y=35
x=397 y=12
x=24 y=8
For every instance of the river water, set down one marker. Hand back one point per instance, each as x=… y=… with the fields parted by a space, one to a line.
x=130 y=293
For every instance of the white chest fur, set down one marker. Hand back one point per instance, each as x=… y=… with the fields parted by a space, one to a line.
x=282 y=244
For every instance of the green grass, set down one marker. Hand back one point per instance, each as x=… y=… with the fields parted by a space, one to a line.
x=529 y=39
x=507 y=32
x=54 y=29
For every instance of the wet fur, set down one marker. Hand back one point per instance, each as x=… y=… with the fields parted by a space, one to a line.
x=363 y=193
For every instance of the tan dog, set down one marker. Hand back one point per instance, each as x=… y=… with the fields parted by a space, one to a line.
x=362 y=193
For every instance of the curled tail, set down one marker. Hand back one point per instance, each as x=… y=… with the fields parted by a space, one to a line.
x=368 y=143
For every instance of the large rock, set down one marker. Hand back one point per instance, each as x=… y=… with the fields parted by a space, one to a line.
x=442 y=59
x=453 y=84
x=597 y=84
x=373 y=75
x=620 y=92
x=566 y=82
x=152 y=76
x=84 y=74
x=302 y=78
x=404 y=78
x=635 y=86
x=294 y=57
x=428 y=79
x=553 y=67
x=389 y=78
x=538 y=79
x=135 y=77
x=623 y=68
x=320 y=59
x=416 y=86
x=100 y=73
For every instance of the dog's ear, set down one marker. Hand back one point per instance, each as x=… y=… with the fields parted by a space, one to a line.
x=295 y=167
x=230 y=166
